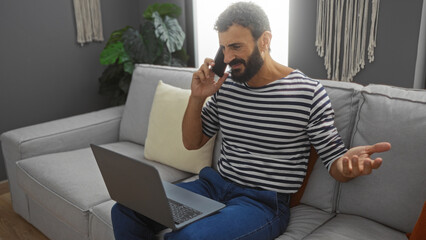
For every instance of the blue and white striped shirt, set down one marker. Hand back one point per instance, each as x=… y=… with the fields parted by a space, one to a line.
x=267 y=131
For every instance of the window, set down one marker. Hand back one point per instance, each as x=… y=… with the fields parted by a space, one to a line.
x=206 y=38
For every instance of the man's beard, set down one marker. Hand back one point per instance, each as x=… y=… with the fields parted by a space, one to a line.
x=251 y=67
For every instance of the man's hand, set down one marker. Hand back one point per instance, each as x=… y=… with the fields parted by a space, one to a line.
x=357 y=161
x=203 y=84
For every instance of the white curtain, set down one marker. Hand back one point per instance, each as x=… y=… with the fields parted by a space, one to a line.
x=88 y=20
x=420 y=72
x=341 y=36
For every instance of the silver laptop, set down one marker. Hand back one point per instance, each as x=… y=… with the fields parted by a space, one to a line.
x=138 y=186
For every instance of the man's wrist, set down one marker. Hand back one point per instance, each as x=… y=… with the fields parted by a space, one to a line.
x=197 y=100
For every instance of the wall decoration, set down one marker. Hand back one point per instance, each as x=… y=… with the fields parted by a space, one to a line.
x=342 y=36
x=88 y=20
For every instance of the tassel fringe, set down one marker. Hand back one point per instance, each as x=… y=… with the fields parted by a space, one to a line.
x=351 y=17
x=88 y=21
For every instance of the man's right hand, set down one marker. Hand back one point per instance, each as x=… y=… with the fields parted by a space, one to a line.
x=203 y=84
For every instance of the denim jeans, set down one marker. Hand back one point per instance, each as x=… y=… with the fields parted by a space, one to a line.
x=249 y=214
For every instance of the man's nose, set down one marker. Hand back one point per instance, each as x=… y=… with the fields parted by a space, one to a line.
x=228 y=56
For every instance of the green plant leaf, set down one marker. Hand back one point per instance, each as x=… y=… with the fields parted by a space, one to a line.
x=113 y=53
x=169 y=31
x=112 y=84
x=176 y=62
x=133 y=45
x=165 y=58
x=154 y=46
x=129 y=67
x=164 y=9
x=124 y=84
x=159 y=41
x=180 y=58
x=116 y=36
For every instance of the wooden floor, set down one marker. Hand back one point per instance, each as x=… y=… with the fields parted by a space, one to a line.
x=13 y=226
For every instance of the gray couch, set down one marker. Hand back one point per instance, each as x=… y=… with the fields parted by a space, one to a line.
x=57 y=187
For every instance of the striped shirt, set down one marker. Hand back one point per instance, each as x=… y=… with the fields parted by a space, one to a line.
x=267 y=131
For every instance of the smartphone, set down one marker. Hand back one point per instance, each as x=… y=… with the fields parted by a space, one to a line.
x=219 y=66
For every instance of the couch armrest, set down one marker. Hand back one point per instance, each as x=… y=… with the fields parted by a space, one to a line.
x=56 y=136
x=63 y=134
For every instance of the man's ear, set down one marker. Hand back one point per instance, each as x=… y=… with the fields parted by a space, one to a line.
x=265 y=41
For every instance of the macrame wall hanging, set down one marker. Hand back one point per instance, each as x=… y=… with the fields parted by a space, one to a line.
x=341 y=35
x=88 y=20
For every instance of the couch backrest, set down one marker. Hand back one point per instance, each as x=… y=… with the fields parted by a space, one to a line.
x=344 y=97
x=321 y=188
x=134 y=124
x=394 y=194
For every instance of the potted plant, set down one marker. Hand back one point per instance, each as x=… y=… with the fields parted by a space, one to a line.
x=158 y=41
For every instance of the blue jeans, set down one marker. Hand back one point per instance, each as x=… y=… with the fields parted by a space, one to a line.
x=249 y=214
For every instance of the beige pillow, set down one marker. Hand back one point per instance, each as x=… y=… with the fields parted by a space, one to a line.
x=164 y=138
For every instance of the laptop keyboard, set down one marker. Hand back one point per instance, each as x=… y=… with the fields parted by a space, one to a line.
x=182 y=213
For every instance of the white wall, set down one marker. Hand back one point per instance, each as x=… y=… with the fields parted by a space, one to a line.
x=420 y=74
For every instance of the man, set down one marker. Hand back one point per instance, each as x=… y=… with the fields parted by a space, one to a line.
x=269 y=115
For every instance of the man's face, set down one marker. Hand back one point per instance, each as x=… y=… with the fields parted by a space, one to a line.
x=241 y=53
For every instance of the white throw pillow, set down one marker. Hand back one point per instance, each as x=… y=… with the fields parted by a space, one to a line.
x=164 y=138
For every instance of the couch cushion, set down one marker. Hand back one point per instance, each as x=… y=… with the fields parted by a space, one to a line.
x=134 y=124
x=49 y=224
x=68 y=184
x=164 y=138
x=349 y=227
x=304 y=220
x=393 y=194
x=344 y=97
x=100 y=222
x=321 y=188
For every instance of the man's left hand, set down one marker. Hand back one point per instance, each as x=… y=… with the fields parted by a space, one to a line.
x=357 y=161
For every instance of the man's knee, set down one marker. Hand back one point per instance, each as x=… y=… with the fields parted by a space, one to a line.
x=202 y=229
x=121 y=214
x=187 y=234
x=118 y=210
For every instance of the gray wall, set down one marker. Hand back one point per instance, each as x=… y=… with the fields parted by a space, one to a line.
x=395 y=54
x=44 y=73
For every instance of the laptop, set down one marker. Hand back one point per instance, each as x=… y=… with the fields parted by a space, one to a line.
x=138 y=186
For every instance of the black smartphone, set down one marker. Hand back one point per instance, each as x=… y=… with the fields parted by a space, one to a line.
x=219 y=66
